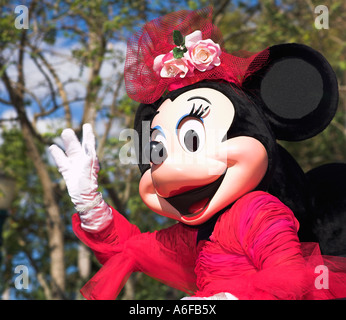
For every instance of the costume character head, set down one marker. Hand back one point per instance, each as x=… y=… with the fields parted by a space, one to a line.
x=209 y=121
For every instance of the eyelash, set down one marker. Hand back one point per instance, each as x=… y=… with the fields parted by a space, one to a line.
x=199 y=112
x=194 y=114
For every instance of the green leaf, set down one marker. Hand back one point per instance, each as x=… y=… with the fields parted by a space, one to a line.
x=178 y=53
x=50 y=35
x=178 y=38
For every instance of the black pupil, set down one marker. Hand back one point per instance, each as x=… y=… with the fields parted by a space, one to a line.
x=191 y=140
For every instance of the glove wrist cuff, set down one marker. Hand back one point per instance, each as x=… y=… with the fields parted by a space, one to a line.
x=97 y=218
x=94 y=203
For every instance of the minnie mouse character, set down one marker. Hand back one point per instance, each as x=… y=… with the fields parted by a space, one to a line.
x=212 y=163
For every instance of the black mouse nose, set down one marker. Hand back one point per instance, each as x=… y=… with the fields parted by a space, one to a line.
x=158 y=152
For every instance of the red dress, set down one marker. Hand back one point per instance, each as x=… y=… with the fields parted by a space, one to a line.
x=253 y=253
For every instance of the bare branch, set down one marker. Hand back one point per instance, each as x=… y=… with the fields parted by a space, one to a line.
x=102 y=141
x=46 y=112
x=220 y=10
x=117 y=203
x=3 y=101
x=239 y=32
x=338 y=40
x=21 y=79
x=97 y=43
x=50 y=84
x=61 y=89
x=17 y=103
x=9 y=120
x=10 y=89
x=339 y=126
x=127 y=192
x=76 y=30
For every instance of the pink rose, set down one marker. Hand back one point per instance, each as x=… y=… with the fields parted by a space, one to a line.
x=168 y=67
x=202 y=54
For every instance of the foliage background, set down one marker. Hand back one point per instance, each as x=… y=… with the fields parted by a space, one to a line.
x=67 y=69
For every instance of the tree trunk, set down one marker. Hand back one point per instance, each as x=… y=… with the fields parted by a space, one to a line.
x=84 y=263
x=84 y=267
x=6 y=294
x=54 y=224
x=129 y=288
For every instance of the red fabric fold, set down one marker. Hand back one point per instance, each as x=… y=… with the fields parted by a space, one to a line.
x=253 y=253
x=105 y=243
x=166 y=255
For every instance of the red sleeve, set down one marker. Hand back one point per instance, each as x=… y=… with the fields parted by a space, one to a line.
x=267 y=233
x=105 y=243
x=167 y=255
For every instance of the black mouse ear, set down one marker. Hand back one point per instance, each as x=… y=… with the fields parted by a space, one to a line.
x=299 y=90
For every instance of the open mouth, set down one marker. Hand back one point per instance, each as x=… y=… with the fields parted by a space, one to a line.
x=195 y=201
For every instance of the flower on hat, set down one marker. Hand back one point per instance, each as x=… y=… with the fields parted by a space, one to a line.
x=202 y=54
x=153 y=68
x=169 y=67
x=191 y=53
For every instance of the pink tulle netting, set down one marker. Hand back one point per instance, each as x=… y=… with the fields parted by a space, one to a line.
x=144 y=85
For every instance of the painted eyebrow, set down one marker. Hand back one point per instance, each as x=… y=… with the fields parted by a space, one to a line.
x=197 y=97
x=157 y=128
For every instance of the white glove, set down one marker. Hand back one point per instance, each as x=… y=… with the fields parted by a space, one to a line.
x=79 y=168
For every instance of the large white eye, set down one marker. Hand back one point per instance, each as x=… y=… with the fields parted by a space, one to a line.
x=191 y=134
